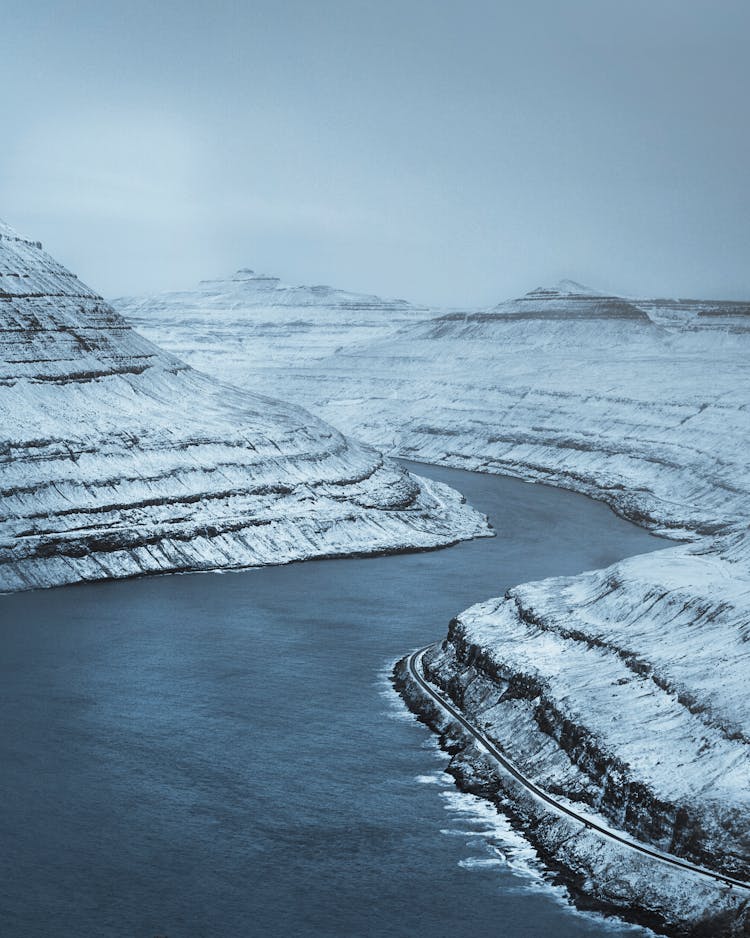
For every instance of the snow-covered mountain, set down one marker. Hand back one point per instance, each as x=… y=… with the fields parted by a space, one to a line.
x=567 y=300
x=117 y=459
x=623 y=689
x=252 y=321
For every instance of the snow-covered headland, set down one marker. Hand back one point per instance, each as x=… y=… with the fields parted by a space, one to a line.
x=117 y=459
x=622 y=689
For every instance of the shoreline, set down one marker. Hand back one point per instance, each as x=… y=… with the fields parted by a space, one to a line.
x=475 y=772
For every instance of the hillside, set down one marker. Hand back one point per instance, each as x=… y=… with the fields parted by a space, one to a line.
x=252 y=322
x=118 y=459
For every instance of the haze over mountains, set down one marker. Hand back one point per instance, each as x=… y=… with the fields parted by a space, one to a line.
x=621 y=689
x=118 y=459
x=253 y=321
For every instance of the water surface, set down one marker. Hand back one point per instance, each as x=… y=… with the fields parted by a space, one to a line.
x=217 y=756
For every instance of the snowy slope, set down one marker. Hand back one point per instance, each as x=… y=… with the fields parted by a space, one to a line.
x=727 y=317
x=117 y=459
x=623 y=688
x=589 y=392
x=254 y=322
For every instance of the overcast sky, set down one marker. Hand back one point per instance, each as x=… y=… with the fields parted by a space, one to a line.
x=454 y=153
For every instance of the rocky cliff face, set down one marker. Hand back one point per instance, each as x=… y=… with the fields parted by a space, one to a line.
x=117 y=459
x=624 y=689
x=672 y=767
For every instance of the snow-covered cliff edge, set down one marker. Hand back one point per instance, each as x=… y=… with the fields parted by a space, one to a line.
x=118 y=459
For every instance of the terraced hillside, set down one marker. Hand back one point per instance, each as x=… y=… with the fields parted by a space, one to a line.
x=118 y=459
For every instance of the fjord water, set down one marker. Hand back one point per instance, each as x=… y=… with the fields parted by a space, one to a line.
x=218 y=756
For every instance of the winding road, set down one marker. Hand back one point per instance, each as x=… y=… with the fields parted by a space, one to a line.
x=414 y=664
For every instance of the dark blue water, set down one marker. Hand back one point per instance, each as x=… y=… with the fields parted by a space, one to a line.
x=216 y=756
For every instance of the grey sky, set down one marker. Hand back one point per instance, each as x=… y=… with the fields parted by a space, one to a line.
x=452 y=153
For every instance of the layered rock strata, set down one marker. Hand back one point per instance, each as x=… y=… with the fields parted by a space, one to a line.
x=117 y=459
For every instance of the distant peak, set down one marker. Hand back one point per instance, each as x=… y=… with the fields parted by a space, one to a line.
x=564 y=288
x=246 y=273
